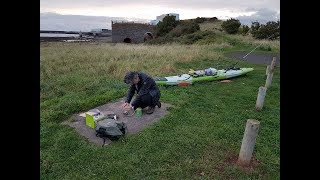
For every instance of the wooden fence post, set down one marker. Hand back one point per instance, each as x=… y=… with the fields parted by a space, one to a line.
x=260 y=98
x=268 y=70
x=270 y=73
x=248 y=142
x=269 y=80
x=273 y=64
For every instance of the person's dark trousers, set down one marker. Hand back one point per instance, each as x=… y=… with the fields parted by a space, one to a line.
x=144 y=101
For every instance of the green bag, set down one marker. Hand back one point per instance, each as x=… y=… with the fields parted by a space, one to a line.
x=111 y=129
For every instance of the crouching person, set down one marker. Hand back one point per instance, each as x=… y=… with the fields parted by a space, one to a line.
x=148 y=93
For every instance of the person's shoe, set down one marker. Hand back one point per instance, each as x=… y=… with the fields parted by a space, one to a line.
x=150 y=110
x=159 y=104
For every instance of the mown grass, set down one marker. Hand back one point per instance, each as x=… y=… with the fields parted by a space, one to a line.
x=203 y=129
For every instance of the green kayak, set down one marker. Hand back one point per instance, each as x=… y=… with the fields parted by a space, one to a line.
x=199 y=76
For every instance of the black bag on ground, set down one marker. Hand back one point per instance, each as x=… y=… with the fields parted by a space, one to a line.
x=110 y=128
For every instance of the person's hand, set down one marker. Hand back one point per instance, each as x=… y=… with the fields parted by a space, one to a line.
x=126 y=105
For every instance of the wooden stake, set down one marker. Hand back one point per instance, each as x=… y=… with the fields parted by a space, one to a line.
x=260 y=98
x=273 y=64
x=248 y=142
x=269 y=79
x=268 y=70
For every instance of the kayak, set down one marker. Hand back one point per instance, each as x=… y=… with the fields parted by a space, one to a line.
x=187 y=79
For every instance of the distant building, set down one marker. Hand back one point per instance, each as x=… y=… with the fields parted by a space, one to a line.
x=160 y=18
x=131 y=32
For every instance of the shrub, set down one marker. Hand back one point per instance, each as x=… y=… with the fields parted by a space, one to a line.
x=199 y=20
x=244 y=29
x=166 y=25
x=187 y=27
x=271 y=30
x=194 y=37
x=231 y=26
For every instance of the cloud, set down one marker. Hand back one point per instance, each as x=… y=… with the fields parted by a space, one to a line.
x=262 y=16
x=149 y=9
x=190 y=4
x=58 y=22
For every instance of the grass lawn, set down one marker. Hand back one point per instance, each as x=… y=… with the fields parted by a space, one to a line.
x=202 y=132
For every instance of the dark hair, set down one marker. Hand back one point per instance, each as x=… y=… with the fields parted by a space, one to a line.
x=128 y=78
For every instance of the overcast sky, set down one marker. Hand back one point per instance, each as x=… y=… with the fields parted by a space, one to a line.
x=245 y=10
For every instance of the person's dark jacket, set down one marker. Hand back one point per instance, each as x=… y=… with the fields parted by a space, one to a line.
x=146 y=85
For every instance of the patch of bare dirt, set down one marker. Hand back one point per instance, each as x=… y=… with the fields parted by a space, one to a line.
x=134 y=124
x=232 y=160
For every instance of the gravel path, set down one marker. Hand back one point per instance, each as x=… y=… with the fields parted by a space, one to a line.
x=255 y=58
